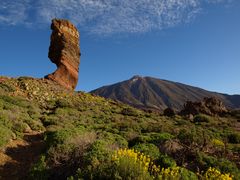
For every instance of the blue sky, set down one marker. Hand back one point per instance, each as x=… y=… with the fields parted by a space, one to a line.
x=196 y=42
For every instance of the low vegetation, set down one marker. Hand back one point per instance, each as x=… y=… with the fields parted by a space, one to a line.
x=89 y=137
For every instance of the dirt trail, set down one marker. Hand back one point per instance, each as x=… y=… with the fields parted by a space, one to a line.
x=19 y=155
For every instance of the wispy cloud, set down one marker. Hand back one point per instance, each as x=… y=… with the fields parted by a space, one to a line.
x=104 y=16
x=13 y=12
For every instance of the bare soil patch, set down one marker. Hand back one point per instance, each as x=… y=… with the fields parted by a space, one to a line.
x=18 y=156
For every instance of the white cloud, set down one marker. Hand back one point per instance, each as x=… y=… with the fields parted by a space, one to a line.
x=13 y=12
x=104 y=16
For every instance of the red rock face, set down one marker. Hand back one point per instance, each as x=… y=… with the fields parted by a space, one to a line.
x=64 y=51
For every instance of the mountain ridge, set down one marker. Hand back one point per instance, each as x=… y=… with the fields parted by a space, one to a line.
x=152 y=93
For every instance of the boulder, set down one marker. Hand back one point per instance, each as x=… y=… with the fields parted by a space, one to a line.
x=64 y=51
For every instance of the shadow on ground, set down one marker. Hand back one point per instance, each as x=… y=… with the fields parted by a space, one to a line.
x=22 y=154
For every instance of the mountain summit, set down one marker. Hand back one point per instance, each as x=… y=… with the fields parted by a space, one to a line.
x=152 y=93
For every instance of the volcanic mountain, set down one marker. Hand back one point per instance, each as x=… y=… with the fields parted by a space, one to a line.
x=152 y=93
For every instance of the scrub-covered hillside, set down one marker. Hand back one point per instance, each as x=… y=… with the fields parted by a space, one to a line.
x=62 y=134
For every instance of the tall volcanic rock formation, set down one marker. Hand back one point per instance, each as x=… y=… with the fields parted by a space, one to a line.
x=64 y=51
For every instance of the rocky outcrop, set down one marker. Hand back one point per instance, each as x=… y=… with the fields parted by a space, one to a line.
x=210 y=106
x=64 y=51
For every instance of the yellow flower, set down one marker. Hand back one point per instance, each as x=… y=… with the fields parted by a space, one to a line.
x=214 y=174
x=217 y=142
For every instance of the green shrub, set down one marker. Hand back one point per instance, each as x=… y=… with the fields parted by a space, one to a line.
x=1 y=104
x=39 y=170
x=166 y=161
x=5 y=135
x=34 y=112
x=49 y=120
x=18 y=101
x=113 y=139
x=193 y=136
x=201 y=118
x=160 y=137
x=236 y=149
x=155 y=138
x=35 y=125
x=148 y=149
x=130 y=111
x=66 y=112
x=98 y=151
x=185 y=174
x=97 y=161
x=62 y=103
x=20 y=126
x=234 y=138
x=61 y=136
x=5 y=121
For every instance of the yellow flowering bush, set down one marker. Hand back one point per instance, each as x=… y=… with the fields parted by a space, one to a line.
x=172 y=173
x=131 y=164
x=167 y=173
x=217 y=142
x=214 y=174
x=135 y=165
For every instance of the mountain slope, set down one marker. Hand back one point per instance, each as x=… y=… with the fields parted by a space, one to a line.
x=148 y=92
